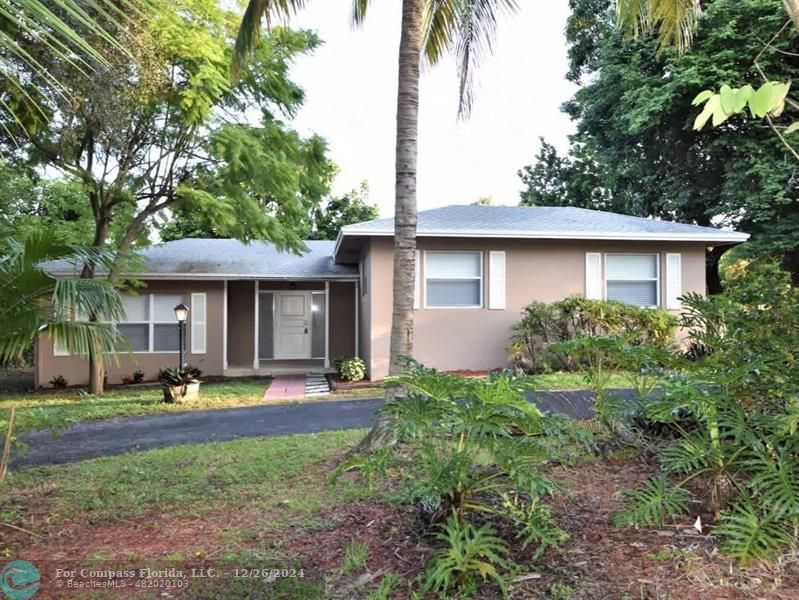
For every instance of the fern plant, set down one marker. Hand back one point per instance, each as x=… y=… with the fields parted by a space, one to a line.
x=468 y=552
x=750 y=534
x=470 y=451
x=652 y=503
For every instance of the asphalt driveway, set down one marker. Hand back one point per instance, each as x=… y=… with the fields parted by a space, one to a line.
x=115 y=436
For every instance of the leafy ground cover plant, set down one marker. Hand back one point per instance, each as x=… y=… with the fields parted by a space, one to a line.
x=574 y=317
x=734 y=415
x=467 y=459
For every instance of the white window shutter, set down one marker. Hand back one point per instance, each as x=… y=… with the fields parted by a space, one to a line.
x=496 y=281
x=593 y=275
x=199 y=321
x=416 y=283
x=673 y=280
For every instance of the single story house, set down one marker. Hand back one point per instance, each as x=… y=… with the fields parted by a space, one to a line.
x=255 y=310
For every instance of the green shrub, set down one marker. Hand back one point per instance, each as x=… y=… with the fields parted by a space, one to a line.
x=351 y=369
x=544 y=324
x=467 y=455
x=733 y=414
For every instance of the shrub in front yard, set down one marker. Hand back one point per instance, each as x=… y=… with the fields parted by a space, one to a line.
x=732 y=416
x=543 y=324
x=181 y=384
x=351 y=369
x=467 y=456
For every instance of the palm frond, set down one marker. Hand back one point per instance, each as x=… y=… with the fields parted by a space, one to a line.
x=674 y=21
x=467 y=29
x=359 y=8
x=775 y=479
x=249 y=33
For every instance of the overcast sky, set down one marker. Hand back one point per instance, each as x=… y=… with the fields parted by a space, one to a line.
x=350 y=85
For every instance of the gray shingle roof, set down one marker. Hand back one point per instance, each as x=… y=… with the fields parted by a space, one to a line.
x=545 y=222
x=197 y=258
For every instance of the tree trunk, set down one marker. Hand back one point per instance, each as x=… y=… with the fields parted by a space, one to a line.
x=712 y=275
x=404 y=208
x=96 y=364
x=790 y=262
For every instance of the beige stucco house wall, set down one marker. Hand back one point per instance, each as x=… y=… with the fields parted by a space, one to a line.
x=477 y=338
x=75 y=368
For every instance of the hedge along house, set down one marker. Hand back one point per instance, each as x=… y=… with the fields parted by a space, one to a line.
x=255 y=310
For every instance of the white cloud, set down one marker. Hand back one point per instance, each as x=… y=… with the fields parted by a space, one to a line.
x=350 y=85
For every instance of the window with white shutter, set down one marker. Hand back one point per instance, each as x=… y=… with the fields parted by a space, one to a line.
x=417 y=285
x=632 y=278
x=453 y=279
x=673 y=280
x=198 y=323
x=496 y=280
x=593 y=275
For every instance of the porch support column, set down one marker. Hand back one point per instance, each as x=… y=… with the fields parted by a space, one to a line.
x=255 y=362
x=224 y=327
x=327 y=324
x=357 y=287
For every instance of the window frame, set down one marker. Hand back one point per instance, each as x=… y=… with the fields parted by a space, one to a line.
x=656 y=279
x=151 y=323
x=480 y=279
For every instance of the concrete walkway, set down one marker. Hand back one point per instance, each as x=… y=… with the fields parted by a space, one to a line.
x=114 y=436
x=286 y=387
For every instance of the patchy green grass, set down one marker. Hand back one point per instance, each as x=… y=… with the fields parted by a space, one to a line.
x=285 y=473
x=64 y=408
x=563 y=380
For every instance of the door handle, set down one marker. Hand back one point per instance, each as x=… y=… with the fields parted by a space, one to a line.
x=306 y=330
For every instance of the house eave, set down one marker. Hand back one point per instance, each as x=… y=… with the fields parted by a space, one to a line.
x=723 y=237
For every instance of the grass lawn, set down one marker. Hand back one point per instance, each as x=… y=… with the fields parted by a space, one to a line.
x=562 y=380
x=59 y=409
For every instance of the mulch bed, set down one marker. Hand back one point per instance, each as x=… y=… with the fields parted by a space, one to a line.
x=598 y=562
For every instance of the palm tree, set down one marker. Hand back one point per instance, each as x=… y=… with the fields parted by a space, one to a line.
x=465 y=28
x=32 y=302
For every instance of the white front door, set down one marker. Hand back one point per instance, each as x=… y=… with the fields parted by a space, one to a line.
x=293 y=325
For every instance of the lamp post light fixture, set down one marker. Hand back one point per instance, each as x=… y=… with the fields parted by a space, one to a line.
x=181 y=314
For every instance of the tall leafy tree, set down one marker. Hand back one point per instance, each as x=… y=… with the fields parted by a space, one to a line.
x=429 y=28
x=324 y=222
x=329 y=217
x=166 y=129
x=635 y=118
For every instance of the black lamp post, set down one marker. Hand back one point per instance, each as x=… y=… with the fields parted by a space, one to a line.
x=181 y=314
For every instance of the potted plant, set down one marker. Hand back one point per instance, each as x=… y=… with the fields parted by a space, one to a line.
x=181 y=384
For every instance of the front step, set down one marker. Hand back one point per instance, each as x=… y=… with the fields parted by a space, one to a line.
x=316 y=385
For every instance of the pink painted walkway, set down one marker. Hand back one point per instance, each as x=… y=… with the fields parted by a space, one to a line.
x=286 y=387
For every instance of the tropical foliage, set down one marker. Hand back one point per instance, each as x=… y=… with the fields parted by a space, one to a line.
x=635 y=150
x=575 y=317
x=467 y=456
x=33 y=303
x=723 y=427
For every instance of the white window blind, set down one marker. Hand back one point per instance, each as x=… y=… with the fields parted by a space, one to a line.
x=593 y=275
x=496 y=281
x=198 y=323
x=632 y=278
x=673 y=280
x=453 y=279
x=150 y=324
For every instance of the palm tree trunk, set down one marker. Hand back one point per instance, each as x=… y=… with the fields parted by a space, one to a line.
x=404 y=207
x=96 y=363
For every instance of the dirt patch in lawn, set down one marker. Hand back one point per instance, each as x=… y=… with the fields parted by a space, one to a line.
x=676 y=562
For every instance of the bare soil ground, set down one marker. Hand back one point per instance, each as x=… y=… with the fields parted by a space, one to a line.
x=598 y=562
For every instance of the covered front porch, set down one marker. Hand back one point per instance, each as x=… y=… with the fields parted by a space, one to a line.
x=275 y=327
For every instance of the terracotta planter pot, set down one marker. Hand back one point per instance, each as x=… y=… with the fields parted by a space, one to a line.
x=181 y=393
